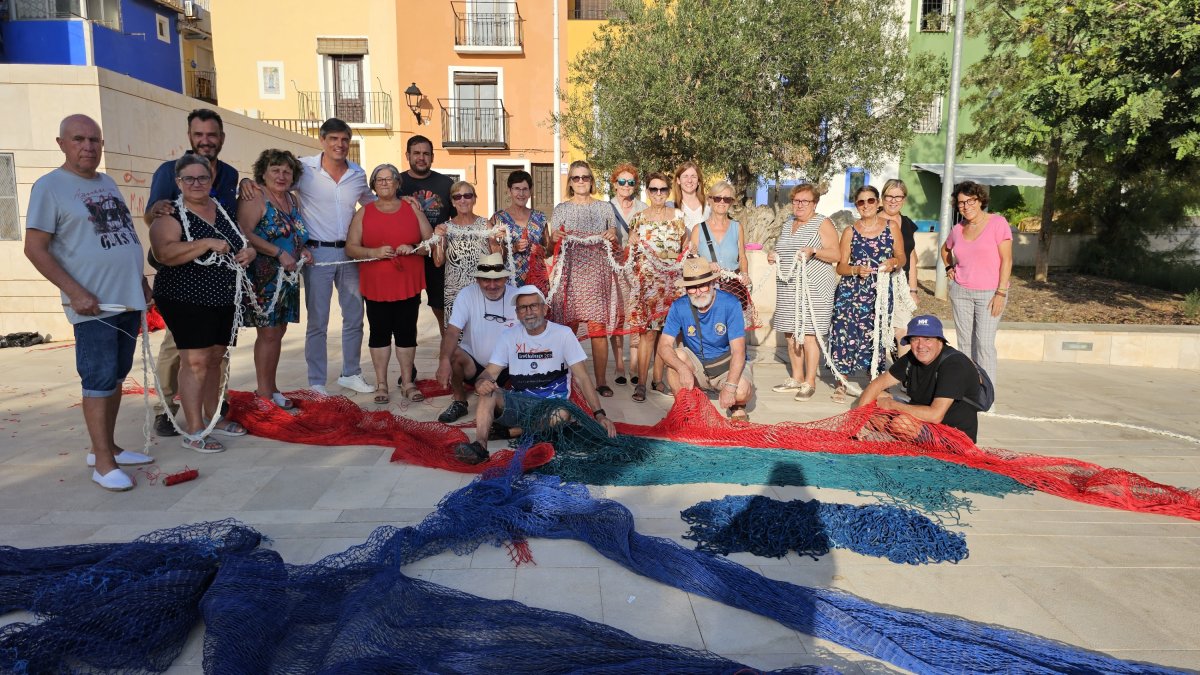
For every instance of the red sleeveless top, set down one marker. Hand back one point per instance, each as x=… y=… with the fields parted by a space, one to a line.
x=401 y=277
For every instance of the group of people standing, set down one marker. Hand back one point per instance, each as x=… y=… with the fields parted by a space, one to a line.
x=671 y=273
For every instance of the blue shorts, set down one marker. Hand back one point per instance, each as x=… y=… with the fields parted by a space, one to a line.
x=104 y=352
x=518 y=405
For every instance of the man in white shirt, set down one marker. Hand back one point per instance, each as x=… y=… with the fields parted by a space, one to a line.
x=542 y=357
x=481 y=313
x=330 y=189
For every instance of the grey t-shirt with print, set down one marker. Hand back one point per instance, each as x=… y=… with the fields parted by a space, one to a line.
x=93 y=237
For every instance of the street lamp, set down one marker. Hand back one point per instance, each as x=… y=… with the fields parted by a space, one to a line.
x=412 y=96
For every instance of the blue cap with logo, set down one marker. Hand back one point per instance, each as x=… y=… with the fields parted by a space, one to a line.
x=925 y=325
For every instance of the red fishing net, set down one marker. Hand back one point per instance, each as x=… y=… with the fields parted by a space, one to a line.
x=336 y=420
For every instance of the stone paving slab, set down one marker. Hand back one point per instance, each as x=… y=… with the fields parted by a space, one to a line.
x=1119 y=582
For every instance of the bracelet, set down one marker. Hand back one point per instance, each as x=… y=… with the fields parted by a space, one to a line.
x=1001 y=293
x=598 y=412
x=730 y=384
x=278 y=252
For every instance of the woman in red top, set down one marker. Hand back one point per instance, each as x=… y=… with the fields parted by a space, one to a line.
x=389 y=229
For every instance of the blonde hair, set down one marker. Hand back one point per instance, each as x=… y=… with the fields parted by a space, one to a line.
x=579 y=163
x=458 y=184
x=895 y=183
x=677 y=191
x=721 y=186
x=804 y=187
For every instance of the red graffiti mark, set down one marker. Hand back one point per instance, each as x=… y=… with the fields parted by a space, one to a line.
x=129 y=177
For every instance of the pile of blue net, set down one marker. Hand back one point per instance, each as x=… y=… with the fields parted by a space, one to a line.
x=771 y=528
x=584 y=453
x=355 y=612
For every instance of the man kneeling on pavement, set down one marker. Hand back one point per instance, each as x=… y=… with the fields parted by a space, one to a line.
x=943 y=386
x=712 y=355
x=542 y=358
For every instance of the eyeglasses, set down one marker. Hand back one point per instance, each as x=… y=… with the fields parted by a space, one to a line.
x=580 y=179
x=491 y=268
x=625 y=181
x=723 y=200
x=385 y=180
x=528 y=308
x=196 y=180
x=494 y=317
x=657 y=190
x=519 y=188
x=463 y=197
x=803 y=202
x=968 y=202
x=700 y=287
x=894 y=198
x=869 y=201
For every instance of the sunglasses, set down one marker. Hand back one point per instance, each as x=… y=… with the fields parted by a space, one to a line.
x=865 y=202
x=723 y=200
x=494 y=317
x=491 y=268
x=658 y=191
x=625 y=181
x=462 y=197
x=894 y=198
x=580 y=179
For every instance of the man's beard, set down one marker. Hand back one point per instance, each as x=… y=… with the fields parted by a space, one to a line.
x=531 y=324
x=701 y=301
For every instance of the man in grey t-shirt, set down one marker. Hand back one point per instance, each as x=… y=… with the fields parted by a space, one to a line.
x=80 y=236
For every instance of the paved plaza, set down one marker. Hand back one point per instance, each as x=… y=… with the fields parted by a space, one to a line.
x=1123 y=583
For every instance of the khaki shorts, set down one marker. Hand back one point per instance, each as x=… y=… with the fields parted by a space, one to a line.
x=702 y=380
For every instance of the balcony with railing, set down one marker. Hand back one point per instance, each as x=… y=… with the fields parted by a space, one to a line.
x=477 y=123
x=106 y=14
x=369 y=108
x=296 y=126
x=202 y=84
x=487 y=27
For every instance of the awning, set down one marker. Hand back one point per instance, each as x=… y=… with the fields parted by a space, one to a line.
x=987 y=174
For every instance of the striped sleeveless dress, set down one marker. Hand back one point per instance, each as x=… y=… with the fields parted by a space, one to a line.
x=822 y=281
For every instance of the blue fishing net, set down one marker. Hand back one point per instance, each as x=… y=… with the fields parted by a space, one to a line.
x=584 y=453
x=771 y=528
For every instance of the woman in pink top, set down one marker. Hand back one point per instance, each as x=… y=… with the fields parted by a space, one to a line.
x=978 y=258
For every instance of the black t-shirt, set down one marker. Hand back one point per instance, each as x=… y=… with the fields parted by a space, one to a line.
x=951 y=375
x=908 y=232
x=433 y=191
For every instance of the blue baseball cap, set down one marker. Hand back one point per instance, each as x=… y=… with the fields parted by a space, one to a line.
x=926 y=325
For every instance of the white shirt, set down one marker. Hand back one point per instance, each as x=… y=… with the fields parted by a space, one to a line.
x=472 y=314
x=540 y=364
x=328 y=205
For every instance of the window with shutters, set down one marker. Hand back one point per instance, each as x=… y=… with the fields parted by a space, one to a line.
x=475 y=115
x=10 y=216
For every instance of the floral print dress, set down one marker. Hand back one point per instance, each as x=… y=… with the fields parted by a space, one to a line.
x=655 y=247
x=287 y=231
x=851 y=338
x=530 y=266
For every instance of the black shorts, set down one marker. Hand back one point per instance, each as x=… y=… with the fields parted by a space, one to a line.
x=196 y=326
x=393 y=319
x=501 y=380
x=435 y=284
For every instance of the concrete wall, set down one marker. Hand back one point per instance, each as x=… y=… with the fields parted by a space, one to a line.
x=143 y=126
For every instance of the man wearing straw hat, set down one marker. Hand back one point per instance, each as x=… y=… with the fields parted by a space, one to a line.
x=703 y=341
x=481 y=313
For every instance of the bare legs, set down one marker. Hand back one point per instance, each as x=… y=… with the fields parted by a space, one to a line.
x=600 y=358
x=649 y=337
x=100 y=416
x=266 y=358
x=199 y=384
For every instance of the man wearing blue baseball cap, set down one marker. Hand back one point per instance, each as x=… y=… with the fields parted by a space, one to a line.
x=942 y=383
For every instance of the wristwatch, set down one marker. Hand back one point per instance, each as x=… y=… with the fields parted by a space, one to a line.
x=598 y=412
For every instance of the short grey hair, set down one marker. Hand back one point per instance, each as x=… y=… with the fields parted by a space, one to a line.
x=381 y=167
x=190 y=159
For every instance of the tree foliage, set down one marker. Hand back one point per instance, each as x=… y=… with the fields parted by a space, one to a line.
x=748 y=87
x=1108 y=89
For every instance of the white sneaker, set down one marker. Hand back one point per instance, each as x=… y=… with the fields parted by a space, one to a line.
x=789 y=386
x=113 y=481
x=126 y=457
x=355 y=382
x=319 y=388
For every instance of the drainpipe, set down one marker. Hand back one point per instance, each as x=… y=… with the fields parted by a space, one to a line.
x=942 y=285
x=557 y=106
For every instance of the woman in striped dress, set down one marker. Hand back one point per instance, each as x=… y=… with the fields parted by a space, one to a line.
x=812 y=235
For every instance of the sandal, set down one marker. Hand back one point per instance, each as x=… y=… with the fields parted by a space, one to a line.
x=633 y=380
x=738 y=414
x=412 y=393
x=662 y=388
x=204 y=445
x=282 y=401
x=381 y=396
x=604 y=391
x=639 y=392
x=225 y=427
x=620 y=379
x=839 y=394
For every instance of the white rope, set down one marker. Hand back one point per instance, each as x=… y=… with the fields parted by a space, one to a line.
x=1106 y=423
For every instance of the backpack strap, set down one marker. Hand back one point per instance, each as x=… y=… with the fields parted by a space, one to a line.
x=712 y=251
x=699 y=333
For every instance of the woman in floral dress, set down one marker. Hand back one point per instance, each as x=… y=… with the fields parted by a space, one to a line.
x=278 y=235
x=657 y=238
x=587 y=288
x=873 y=244
x=526 y=229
